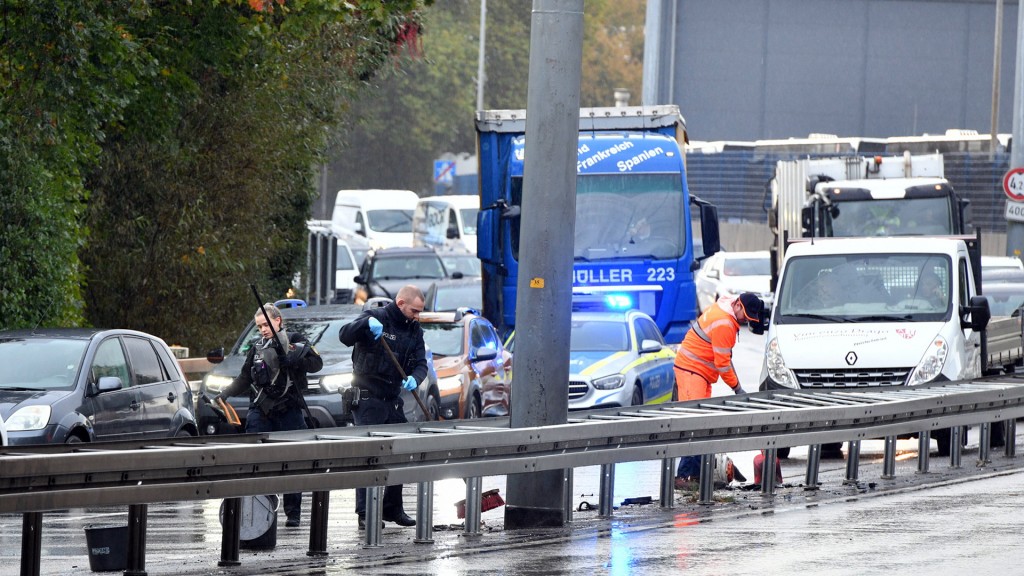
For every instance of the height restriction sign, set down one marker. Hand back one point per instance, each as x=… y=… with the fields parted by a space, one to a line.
x=1013 y=184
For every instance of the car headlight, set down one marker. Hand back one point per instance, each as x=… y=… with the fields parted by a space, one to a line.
x=931 y=363
x=214 y=383
x=29 y=418
x=609 y=382
x=449 y=383
x=335 y=382
x=777 y=370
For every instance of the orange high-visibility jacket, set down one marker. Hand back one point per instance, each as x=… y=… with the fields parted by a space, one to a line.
x=711 y=359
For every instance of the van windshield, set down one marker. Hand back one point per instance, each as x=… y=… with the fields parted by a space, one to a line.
x=390 y=221
x=864 y=288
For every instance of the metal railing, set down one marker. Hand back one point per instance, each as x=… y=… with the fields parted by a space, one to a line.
x=36 y=479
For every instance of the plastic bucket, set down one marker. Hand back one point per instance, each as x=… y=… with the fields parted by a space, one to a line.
x=257 y=521
x=107 y=547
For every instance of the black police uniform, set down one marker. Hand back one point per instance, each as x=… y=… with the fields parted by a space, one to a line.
x=274 y=391
x=379 y=383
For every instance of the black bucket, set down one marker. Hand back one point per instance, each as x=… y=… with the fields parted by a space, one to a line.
x=108 y=547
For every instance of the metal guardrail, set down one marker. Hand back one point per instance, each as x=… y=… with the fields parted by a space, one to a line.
x=35 y=479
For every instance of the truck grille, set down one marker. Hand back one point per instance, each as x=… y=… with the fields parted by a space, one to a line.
x=852 y=378
x=577 y=389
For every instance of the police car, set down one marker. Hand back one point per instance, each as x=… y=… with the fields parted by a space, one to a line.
x=617 y=359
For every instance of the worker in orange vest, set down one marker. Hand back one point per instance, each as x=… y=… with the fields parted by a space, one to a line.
x=705 y=355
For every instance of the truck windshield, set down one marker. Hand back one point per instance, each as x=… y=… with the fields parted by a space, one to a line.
x=624 y=216
x=864 y=288
x=390 y=220
x=897 y=217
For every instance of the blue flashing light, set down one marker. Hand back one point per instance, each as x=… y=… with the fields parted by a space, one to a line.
x=618 y=301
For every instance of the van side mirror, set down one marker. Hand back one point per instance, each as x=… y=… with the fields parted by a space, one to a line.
x=979 y=313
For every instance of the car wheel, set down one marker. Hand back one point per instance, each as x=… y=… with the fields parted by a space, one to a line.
x=433 y=407
x=638 y=395
x=184 y=433
x=473 y=410
x=675 y=392
x=73 y=439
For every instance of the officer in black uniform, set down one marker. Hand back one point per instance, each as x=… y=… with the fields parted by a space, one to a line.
x=275 y=384
x=379 y=382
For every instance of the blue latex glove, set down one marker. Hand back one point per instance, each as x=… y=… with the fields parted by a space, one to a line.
x=409 y=383
x=376 y=328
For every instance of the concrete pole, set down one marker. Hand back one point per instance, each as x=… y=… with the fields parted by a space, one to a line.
x=654 y=48
x=544 y=293
x=997 y=56
x=481 y=76
x=1015 y=230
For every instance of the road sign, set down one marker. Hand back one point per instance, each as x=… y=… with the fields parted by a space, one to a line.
x=444 y=172
x=1015 y=211
x=1013 y=184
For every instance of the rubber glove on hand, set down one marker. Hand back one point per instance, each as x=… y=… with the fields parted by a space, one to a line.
x=409 y=383
x=739 y=390
x=376 y=328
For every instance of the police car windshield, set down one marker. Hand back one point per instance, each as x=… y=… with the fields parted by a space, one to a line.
x=598 y=336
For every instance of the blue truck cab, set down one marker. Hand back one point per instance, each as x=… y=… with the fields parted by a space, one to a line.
x=635 y=217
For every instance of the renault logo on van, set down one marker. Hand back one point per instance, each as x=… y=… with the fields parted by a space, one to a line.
x=851 y=358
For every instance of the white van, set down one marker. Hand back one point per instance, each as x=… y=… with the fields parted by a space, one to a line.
x=446 y=223
x=384 y=217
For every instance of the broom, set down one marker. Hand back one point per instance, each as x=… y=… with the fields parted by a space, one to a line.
x=488 y=500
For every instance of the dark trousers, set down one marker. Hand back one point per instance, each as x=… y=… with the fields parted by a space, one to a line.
x=289 y=419
x=373 y=411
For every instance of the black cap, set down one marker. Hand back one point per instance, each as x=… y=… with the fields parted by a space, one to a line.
x=754 y=312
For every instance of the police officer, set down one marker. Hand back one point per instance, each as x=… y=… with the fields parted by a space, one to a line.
x=379 y=382
x=275 y=384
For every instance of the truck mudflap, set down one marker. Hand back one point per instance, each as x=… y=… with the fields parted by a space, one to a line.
x=1005 y=344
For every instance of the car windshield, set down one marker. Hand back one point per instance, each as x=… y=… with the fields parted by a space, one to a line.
x=40 y=363
x=407 y=267
x=598 y=336
x=323 y=334
x=1005 y=299
x=451 y=298
x=468 y=264
x=390 y=220
x=443 y=338
x=864 y=288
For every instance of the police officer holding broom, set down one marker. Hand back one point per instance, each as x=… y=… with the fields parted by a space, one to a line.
x=274 y=375
x=374 y=336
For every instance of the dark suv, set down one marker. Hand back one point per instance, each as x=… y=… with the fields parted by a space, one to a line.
x=385 y=271
x=320 y=324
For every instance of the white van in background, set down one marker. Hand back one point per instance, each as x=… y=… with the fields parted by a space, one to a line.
x=384 y=217
x=446 y=223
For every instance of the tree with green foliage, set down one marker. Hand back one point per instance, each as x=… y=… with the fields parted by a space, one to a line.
x=171 y=145
x=414 y=114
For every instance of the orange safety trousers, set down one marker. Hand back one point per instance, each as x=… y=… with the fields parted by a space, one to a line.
x=691 y=386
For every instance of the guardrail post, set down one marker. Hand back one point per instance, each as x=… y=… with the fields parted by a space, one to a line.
x=1010 y=438
x=319 y=509
x=567 y=494
x=424 y=513
x=607 y=489
x=137 y=517
x=374 y=515
x=768 y=466
x=231 y=532
x=706 y=494
x=813 y=464
x=984 y=443
x=668 y=483
x=31 y=543
x=889 y=460
x=852 y=462
x=473 y=505
x=955 y=446
x=924 y=444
